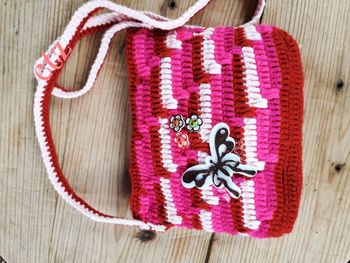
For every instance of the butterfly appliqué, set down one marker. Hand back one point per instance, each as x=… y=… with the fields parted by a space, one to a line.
x=220 y=165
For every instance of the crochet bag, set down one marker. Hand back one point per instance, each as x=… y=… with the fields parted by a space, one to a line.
x=216 y=120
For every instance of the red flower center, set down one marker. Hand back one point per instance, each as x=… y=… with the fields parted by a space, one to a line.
x=176 y=122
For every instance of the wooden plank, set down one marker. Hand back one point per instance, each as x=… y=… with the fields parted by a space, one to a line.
x=92 y=135
x=322 y=231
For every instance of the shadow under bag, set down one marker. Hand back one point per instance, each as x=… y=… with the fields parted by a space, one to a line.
x=216 y=120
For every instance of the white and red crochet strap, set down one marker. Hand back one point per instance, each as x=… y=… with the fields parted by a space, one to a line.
x=83 y=23
x=122 y=15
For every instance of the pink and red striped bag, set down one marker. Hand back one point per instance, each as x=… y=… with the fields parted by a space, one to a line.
x=216 y=120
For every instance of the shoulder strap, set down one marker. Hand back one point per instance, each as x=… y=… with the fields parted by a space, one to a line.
x=48 y=68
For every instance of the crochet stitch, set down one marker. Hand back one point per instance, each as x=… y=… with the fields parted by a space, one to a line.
x=251 y=79
x=185 y=80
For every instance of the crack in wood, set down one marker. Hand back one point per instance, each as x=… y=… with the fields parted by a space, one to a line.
x=210 y=247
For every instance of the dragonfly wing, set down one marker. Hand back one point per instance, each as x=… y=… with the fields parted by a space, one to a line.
x=216 y=181
x=220 y=141
x=231 y=157
x=197 y=175
x=231 y=163
x=246 y=170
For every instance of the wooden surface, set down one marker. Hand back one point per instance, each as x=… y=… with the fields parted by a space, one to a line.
x=93 y=132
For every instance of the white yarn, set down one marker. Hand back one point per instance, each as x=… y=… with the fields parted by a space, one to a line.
x=255 y=99
x=166 y=84
x=248 y=201
x=165 y=139
x=210 y=64
x=170 y=207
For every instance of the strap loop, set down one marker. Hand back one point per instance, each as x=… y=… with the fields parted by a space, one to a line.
x=120 y=14
x=83 y=23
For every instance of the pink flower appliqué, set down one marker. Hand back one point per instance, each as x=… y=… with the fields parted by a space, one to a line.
x=181 y=140
x=176 y=122
x=194 y=123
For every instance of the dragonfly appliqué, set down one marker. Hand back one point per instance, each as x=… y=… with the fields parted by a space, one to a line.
x=220 y=165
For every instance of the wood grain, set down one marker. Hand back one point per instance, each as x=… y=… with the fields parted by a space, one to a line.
x=92 y=134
